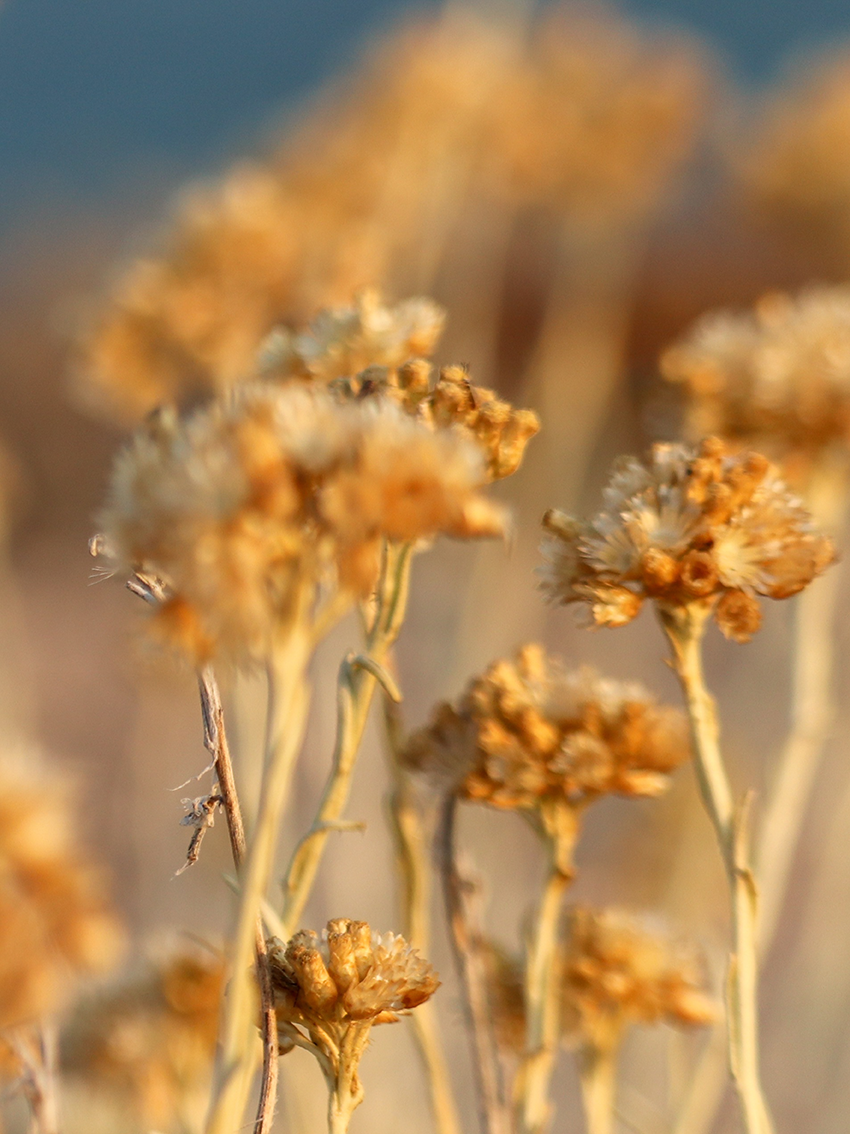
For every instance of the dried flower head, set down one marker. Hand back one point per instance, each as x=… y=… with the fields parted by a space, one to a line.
x=148 y=1041
x=794 y=169
x=55 y=922
x=599 y=115
x=329 y=993
x=343 y=341
x=250 y=505
x=777 y=377
x=699 y=525
x=617 y=974
x=525 y=732
x=499 y=430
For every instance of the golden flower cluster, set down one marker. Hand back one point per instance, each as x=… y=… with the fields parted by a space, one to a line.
x=248 y=506
x=525 y=732
x=586 y=114
x=617 y=974
x=343 y=341
x=499 y=430
x=777 y=377
x=149 y=1041
x=329 y=992
x=690 y=525
x=599 y=115
x=794 y=169
x=55 y=922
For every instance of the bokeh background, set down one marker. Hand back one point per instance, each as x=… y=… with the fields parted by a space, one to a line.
x=107 y=112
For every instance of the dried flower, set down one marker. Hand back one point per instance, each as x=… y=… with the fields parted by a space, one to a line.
x=599 y=115
x=690 y=526
x=777 y=377
x=248 y=506
x=525 y=732
x=329 y=993
x=794 y=169
x=148 y=1041
x=55 y=921
x=341 y=342
x=617 y=974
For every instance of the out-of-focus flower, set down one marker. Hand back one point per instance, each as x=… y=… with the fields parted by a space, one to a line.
x=598 y=115
x=777 y=377
x=526 y=733
x=330 y=992
x=56 y=924
x=617 y=974
x=699 y=525
x=794 y=169
x=148 y=1041
x=343 y=341
x=247 y=508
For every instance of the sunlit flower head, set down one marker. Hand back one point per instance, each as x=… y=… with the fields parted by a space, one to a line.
x=690 y=525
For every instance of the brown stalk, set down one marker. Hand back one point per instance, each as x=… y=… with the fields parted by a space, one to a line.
x=467 y=938
x=215 y=742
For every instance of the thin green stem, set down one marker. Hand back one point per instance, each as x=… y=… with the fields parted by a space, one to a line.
x=287 y=718
x=542 y=991
x=685 y=629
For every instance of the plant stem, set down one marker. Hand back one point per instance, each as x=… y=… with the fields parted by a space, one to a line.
x=288 y=699
x=215 y=742
x=413 y=860
x=597 y=1071
x=356 y=688
x=466 y=936
x=685 y=627
x=542 y=991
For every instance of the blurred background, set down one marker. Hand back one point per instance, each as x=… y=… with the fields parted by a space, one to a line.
x=121 y=123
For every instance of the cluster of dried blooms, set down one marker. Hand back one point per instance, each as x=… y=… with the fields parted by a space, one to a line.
x=148 y=1042
x=525 y=732
x=246 y=507
x=343 y=341
x=56 y=925
x=777 y=377
x=617 y=974
x=794 y=168
x=703 y=525
x=330 y=992
x=582 y=113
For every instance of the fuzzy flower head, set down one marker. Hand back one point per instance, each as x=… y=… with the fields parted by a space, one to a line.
x=251 y=506
x=699 y=525
x=617 y=973
x=56 y=925
x=330 y=991
x=777 y=377
x=148 y=1040
x=343 y=341
x=526 y=733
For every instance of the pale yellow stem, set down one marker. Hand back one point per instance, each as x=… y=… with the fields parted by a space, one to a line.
x=542 y=984
x=357 y=683
x=685 y=628
x=597 y=1072
x=287 y=717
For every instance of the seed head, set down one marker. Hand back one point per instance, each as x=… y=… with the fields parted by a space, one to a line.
x=55 y=922
x=617 y=974
x=344 y=341
x=148 y=1040
x=690 y=525
x=777 y=377
x=526 y=732
x=330 y=992
x=249 y=506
